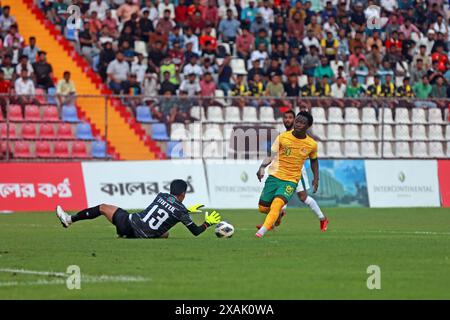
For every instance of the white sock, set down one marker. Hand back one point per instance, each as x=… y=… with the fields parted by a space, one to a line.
x=284 y=207
x=262 y=230
x=312 y=204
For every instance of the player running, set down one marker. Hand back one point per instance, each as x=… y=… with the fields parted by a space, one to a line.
x=303 y=185
x=154 y=222
x=289 y=152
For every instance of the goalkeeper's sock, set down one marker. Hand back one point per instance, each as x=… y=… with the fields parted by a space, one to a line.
x=89 y=213
x=312 y=204
x=275 y=210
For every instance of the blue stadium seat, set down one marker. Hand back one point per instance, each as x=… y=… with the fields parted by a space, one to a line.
x=84 y=132
x=71 y=34
x=51 y=99
x=143 y=114
x=174 y=150
x=159 y=131
x=69 y=114
x=98 y=149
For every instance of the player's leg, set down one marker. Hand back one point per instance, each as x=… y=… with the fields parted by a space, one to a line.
x=310 y=202
x=267 y=195
x=86 y=214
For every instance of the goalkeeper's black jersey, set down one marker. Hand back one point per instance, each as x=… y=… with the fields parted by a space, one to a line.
x=161 y=215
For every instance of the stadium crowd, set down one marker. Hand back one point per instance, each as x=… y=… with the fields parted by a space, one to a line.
x=272 y=49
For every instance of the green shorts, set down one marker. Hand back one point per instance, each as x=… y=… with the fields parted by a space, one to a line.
x=275 y=187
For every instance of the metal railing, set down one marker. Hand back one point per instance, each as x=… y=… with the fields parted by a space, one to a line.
x=392 y=126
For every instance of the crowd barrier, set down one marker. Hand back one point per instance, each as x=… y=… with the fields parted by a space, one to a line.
x=218 y=183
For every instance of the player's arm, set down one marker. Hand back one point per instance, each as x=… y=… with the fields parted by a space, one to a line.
x=314 y=160
x=210 y=219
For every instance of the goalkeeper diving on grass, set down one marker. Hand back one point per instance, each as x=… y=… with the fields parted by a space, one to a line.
x=290 y=150
x=155 y=221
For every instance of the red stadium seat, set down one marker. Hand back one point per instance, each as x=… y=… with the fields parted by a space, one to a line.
x=47 y=131
x=64 y=131
x=61 y=149
x=22 y=150
x=51 y=114
x=29 y=131
x=11 y=129
x=43 y=149
x=1 y=117
x=79 y=149
x=32 y=113
x=15 y=113
x=40 y=95
x=3 y=149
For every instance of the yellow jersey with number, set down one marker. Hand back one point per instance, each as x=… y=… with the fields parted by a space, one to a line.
x=291 y=154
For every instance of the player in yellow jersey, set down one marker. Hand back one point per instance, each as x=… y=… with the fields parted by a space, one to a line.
x=290 y=150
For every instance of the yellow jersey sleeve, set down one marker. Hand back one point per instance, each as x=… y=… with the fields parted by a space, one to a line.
x=313 y=154
x=276 y=145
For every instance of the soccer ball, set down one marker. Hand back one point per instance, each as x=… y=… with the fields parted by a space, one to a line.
x=224 y=230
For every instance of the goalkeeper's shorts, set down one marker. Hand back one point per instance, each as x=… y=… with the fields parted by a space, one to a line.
x=121 y=219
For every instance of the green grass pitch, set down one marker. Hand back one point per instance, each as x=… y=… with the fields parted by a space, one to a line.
x=297 y=261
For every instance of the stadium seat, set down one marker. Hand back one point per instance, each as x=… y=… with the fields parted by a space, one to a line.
x=419 y=132
x=351 y=149
x=302 y=80
x=71 y=34
x=436 y=149
x=319 y=131
x=79 y=149
x=402 y=115
x=22 y=150
x=352 y=115
x=195 y=131
x=29 y=131
x=192 y=149
x=447 y=132
x=418 y=116
x=43 y=149
x=266 y=114
x=228 y=130
x=179 y=132
x=435 y=116
x=174 y=150
x=420 y=149
x=335 y=115
x=386 y=132
x=368 y=150
x=64 y=131
x=238 y=66
x=98 y=149
x=212 y=132
x=321 y=149
x=50 y=114
x=369 y=116
x=32 y=113
x=144 y=114
x=215 y=114
x=249 y=114
x=84 y=131
x=213 y=150
x=1 y=117
x=220 y=94
x=386 y=150
x=334 y=132
x=402 y=132
x=7 y=131
x=61 y=149
x=40 y=95
x=198 y=112
x=435 y=132
x=402 y=150
x=15 y=112
x=141 y=47
x=47 y=131
x=368 y=132
x=351 y=132
x=334 y=149
x=387 y=115
x=232 y=114
x=318 y=114
x=159 y=131
x=69 y=114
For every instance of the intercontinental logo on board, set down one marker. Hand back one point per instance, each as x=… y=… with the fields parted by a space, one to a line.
x=402 y=186
x=235 y=188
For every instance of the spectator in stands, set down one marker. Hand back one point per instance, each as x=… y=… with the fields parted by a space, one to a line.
x=95 y=24
x=323 y=90
x=329 y=46
x=13 y=37
x=99 y=6
x=8 y=68
x=324 y=69
x=257 y=90
x=25 y=90
x=165 y=24
x=150 y=85
x=375 y=89
x=211 y=14
x=43 y=71
x=207 y=85
x=418 y=71
x=227 y=5
x=354 y=90
x=6 y=20
x=31 y=51
x=338 y=90
x=190 y=86
x=225 y=74
x=228 y=28
x=24 y=64
x=239 y=90
x=275 y=90
x=58 y=14
x=117 y=72
x=422 y=90
x=106 y=56
x=88 y=42
x=145 y=26
x=311 y=61
x=422 y=55
x=5 y=91
x=156 y=55
x=439 y=91
x=167 y=85
x=164 y=6
x=65 y=90
x=126 y=10
x=405 y=91
x=132 y=89
x=112 y=24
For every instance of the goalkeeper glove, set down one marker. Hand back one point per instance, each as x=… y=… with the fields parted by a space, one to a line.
x=212 y=218
x=195 y=208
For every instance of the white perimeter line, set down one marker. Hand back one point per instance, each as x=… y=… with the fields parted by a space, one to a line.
x=412 y=232
x=84 y=278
